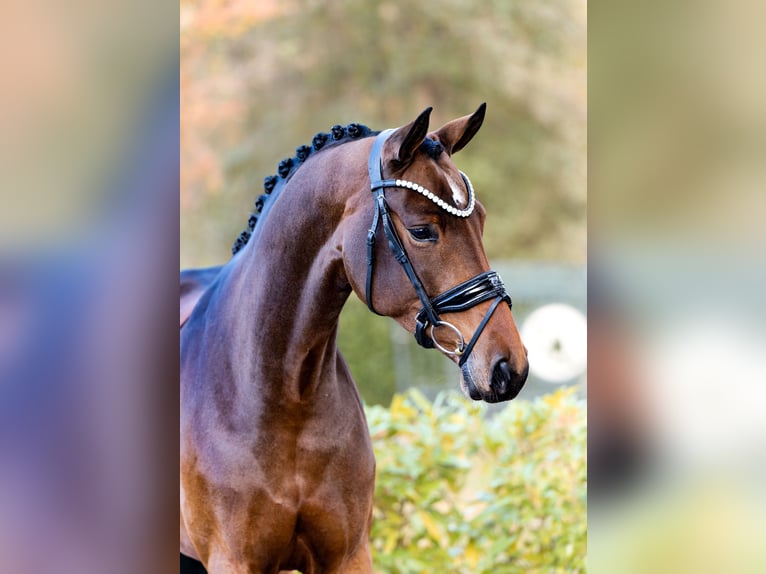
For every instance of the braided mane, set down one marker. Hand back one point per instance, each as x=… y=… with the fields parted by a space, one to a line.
x=273 y=184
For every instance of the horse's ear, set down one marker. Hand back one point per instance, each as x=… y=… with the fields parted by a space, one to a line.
x=402 y=144
x=456 y=134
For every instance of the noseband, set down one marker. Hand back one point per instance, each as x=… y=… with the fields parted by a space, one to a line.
x=483 y=287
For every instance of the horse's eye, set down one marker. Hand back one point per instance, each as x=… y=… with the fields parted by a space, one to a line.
x=423 y=234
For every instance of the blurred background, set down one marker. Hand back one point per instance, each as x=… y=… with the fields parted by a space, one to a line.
x=676 y=243
x=89 y=125
x=259 y=79
x=676 y=283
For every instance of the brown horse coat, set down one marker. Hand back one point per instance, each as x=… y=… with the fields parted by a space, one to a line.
x=277 y=468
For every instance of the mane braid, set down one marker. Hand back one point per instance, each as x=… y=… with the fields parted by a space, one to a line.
x=287 y=167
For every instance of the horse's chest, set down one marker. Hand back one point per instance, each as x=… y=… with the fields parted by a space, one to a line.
x=310 y=489
x=336 y=490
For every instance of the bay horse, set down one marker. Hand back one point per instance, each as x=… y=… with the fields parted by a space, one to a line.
x=277 y=466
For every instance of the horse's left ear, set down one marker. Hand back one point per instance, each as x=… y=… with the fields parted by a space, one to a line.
x=456 y=134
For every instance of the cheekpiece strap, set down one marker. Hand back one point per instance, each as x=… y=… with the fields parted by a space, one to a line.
x=374 y=162
x=377 y=186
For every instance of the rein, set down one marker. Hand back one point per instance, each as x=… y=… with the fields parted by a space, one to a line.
x=482 y=287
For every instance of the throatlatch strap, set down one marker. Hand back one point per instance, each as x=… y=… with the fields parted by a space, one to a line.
x=371 y=257
x=374 y=170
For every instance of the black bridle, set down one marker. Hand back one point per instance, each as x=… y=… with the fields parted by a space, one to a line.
x=483 y=287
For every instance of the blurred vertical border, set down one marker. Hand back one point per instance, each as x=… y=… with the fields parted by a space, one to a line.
x=89 y=171
x=677 y=328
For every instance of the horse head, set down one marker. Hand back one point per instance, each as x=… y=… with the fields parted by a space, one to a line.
x=424 y=263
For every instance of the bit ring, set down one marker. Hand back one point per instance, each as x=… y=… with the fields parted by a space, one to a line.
x=461 y=344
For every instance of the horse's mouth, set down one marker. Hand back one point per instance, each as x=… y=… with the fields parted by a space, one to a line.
x=469 y=386
x=472 y=391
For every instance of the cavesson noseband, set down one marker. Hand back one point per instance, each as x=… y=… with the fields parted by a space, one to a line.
x=483 y=287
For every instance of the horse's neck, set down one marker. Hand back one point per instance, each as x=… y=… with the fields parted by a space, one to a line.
x=283 y=294
x=293 y=297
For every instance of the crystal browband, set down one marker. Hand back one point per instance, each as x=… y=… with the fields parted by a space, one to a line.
x=433 y=197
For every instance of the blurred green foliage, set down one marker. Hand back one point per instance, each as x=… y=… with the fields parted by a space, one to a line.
x=459 y=492
x=365 y=342
x=384 y=358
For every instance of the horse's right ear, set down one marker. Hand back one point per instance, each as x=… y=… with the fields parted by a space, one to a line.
x=456 y=134
x=401 y=145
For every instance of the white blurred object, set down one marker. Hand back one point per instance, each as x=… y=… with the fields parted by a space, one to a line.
x=708 y=382
x=556 y=337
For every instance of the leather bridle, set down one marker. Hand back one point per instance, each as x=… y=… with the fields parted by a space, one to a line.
x=483 y=287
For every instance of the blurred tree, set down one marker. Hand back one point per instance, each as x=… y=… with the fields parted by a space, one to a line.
x=260 y=78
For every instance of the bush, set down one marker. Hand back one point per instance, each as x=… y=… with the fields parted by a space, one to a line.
x=461 y=492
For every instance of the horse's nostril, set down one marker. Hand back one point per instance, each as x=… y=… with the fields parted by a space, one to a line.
x=506 y=381
x=501 y=378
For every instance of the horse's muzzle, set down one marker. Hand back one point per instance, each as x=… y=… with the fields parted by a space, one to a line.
x=505 y=383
